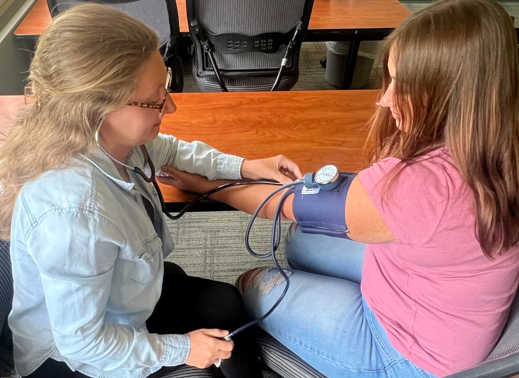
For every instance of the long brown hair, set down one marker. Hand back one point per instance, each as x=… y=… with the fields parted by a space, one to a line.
x=87 y=63
x=457 y=74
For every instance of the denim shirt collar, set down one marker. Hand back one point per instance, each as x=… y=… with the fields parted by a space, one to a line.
x=102 y=162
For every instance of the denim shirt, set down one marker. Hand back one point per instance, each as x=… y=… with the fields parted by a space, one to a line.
x=88 y=263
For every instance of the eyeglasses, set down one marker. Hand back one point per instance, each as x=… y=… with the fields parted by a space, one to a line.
x=160 y=106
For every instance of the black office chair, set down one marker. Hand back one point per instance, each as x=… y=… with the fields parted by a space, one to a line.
x=240 y=44
x=6 y=299
x=160 y=15
x=503 y=362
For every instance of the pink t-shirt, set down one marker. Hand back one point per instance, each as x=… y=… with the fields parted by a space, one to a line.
x=442 y=303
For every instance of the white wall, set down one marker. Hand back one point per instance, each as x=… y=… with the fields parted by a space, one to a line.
x=13 y=59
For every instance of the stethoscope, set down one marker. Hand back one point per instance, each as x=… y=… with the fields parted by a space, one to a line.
x=276 y=225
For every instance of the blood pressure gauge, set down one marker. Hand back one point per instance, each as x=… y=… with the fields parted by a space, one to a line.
x=325 y=178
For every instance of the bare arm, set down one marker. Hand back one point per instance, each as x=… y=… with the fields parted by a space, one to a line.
x=363 y=220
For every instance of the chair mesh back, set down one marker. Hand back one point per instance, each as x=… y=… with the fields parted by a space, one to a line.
x=153 y=13
x=243 y=84
x=509 y=342
x=6 y=300
x=249 y=17
x=184 y=371
x=6 y=283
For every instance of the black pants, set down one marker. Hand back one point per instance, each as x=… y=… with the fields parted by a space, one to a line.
x=187 y=304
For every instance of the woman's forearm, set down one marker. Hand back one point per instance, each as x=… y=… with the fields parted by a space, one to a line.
x=248 y=197
x=244 y=197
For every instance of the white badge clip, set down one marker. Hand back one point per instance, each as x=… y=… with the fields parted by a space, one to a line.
x=306 y=190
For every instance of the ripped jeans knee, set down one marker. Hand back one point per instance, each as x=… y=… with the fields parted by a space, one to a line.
x=262 y=280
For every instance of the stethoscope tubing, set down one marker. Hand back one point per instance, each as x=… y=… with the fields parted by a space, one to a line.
x=276 y=224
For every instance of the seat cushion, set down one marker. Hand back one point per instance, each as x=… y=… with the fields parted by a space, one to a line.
x=283 y=361
x=244 y=84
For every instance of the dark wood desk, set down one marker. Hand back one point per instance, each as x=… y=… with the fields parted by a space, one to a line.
x=313 y=128
x=331 y=20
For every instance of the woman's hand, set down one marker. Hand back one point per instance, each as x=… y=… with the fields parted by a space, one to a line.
x=207 y=349
x=279 y=168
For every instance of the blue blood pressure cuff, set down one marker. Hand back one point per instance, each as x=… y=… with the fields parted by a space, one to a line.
x=319 y=211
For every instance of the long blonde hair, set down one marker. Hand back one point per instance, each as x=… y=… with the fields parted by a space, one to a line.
x=87 y=63
x=457 y=86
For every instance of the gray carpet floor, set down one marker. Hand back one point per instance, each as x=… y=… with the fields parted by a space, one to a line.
x=212 y=244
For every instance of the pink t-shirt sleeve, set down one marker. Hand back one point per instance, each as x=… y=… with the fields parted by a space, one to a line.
x=420 y=191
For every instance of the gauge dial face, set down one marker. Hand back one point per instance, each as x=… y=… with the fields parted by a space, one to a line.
x=326 y=174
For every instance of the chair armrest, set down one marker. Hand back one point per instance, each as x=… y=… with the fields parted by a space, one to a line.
x=499 y=368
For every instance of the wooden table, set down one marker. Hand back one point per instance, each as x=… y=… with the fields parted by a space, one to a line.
x=331 y=20
x=329 y=17
x=313 y=128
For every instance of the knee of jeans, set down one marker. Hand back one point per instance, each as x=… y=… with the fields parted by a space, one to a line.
x=262 y=280
x=292 y=229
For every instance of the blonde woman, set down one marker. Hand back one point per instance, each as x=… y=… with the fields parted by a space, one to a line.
x=437 y=211
x=92 y=295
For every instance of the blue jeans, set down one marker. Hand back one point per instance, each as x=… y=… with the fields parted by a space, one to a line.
x=323 y=318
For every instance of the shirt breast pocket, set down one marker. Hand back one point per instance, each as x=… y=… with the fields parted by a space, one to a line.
x=147 y=266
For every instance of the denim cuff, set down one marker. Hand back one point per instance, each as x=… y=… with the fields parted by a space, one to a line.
x=229 y=167
x=176 y=349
